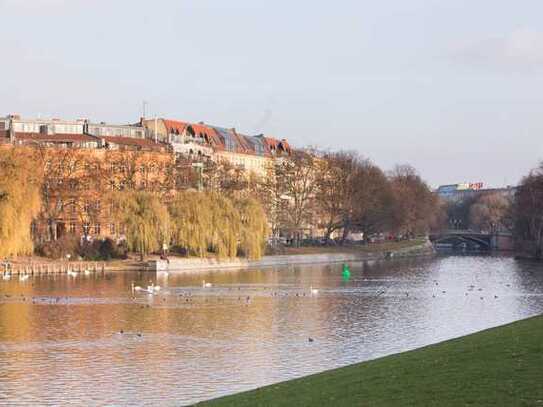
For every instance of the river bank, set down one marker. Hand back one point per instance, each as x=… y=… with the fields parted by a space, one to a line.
x=497 y=367
x=300 y=256
x=291 y=256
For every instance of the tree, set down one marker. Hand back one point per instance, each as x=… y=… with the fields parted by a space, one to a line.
x=458 y=213
x=295 y=176
x=372 y=201
x=21 y=178
x=144 y=218
x=226 y=227
x=415 y=204
x=254 y=228
x=271 y=192
x=191 y=222
x=225 y=177
x=209 y=221
x=528 y=213
x=335 y=180
x=71 y=185
x=489 y=212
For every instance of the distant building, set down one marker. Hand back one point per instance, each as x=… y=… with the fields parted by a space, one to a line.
x=114 y=130
x=122 y=137
x=46 y=132
x=197 y=141
x=462 y=191
x=252 y=153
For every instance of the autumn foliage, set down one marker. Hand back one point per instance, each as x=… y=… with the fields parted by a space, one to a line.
x=20 y=199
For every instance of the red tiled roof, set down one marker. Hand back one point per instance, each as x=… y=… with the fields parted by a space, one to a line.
x=175 y=126
x=243 y=144
x=135 y=142
x=202 y=129
x=285 y=145
x=55 y=138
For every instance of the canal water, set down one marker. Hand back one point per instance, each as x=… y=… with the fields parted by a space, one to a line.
x=61 y=340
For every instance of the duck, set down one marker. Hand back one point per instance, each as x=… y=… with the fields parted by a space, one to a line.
x=206 y=285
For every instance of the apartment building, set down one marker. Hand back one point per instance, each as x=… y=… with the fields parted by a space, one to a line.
x=252 y=153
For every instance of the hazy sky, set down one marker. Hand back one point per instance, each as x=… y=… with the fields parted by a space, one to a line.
x=453 y=87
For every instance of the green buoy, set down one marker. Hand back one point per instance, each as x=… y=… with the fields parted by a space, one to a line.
x=346 y=272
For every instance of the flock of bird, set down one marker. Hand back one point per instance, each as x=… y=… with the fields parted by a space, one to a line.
x=153 y=289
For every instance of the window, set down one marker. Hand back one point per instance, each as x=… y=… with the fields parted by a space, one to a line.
x=112 y=228
x=97 y=229
x=72 y=227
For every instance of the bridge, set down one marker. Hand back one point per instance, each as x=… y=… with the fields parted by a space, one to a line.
x=463 y=239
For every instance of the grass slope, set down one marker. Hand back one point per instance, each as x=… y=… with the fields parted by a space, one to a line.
x=499 y=367
x=371 y=248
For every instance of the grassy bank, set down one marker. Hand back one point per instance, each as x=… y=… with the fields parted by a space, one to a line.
x=387 y=246
x=498 y=367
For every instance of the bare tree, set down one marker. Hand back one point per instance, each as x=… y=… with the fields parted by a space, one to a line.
x=415 y=204
x=489 y=212
x=528 y=213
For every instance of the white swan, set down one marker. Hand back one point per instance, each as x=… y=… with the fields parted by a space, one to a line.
x=87 y=272
x=153 y=288
x=72 y=273
x=314 y=291
x=24 y=277
x=6 y=276
x=206 y=285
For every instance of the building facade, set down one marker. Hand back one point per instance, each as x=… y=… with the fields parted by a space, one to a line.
x=85 y=160
x=251 y=153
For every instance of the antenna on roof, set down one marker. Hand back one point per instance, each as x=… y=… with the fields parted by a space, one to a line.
x=144 y=106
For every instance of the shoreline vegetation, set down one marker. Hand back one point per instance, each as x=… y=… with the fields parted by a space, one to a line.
x=366 y=252
x=96 y=207
x=500 y=366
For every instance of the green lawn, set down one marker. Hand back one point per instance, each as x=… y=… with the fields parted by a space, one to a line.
x=498 y=367
x=387 y=246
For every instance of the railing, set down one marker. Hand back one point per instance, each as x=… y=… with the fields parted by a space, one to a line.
x=7 y=268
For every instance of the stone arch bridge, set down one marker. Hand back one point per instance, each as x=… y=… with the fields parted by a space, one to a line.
x=467 y=239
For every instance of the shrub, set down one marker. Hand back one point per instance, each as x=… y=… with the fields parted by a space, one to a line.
x=57 y=249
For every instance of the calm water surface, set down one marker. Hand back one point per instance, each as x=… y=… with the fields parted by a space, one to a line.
x=60 y=340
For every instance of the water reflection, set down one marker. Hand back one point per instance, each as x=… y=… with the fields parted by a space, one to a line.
x=61 y=340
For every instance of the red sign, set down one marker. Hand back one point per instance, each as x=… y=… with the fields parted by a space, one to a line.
x=476 y=185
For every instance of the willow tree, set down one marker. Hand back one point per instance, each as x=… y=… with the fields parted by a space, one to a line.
x=145 y=220
x=254 y=228
x=20 y=199
x=191 y=222
x=202 y=222
x=225 y=225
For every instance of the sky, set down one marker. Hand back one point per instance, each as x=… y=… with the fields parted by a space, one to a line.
x=451 y=87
